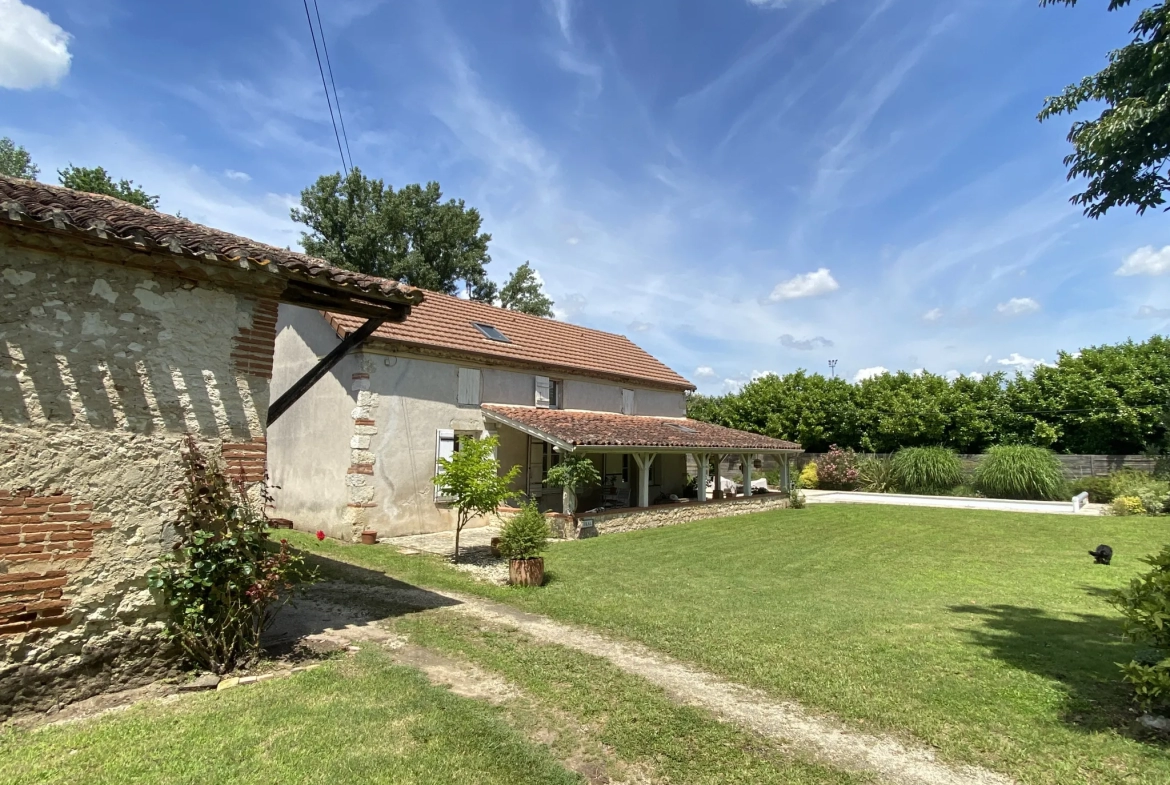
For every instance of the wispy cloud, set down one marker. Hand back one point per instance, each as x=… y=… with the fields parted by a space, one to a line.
x=705 y=372
x=1146 y=261
x=933 y=315
x=1018 y=306
x=811 y=284
x=34 y=50
x=232 y=174
x=1150 y=312
x=869 y=373
x=806 y=345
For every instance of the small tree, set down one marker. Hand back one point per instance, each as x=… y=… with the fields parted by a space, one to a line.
x=525 y=535
x=1145 y=603
x=472 y=476
x=575 y=473
x=96 y=180
x=524 y=292
x=15 y=160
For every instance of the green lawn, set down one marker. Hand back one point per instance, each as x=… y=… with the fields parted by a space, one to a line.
x=984 y=634
x=360 y=721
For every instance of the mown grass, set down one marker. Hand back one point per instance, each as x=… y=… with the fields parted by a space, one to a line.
x=365 y=721
x=985 y=634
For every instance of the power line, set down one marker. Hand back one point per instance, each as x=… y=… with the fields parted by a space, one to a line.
x=321 y=70
x=336 y=97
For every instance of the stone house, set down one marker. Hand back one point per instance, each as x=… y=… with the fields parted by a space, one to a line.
x=121 y=331
x=359 y=450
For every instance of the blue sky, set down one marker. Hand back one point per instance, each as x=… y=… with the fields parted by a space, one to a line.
x=740 y=186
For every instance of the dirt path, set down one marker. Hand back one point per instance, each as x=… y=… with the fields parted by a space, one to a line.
x=820 y=737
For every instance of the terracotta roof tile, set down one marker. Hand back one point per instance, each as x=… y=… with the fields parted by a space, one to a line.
x=446 y=323
x=49 y=207
x=599 y=429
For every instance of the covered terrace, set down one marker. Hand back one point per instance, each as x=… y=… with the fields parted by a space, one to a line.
x=645 y=439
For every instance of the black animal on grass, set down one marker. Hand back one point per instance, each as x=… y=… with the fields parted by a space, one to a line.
x=1102 y=555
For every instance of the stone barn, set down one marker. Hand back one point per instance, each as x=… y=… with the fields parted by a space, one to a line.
x=121 y=331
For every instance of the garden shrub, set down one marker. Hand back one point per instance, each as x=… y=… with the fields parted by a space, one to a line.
x=876 y=475
x=1099 y=489
x=796 y=499
x=525 y=535
x=1154 y=493
x=928 y=470
x=1017 y=471
x=223 y=580
x=1145 y=604
x=1127 y=505
x=837 y=469
x=808 y=476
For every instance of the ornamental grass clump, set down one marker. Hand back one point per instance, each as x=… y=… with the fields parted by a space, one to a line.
x=837 y=469
x=927 y=470
x=1017 y=471
x=877 y=475
x=525 y=535
x=223 y=580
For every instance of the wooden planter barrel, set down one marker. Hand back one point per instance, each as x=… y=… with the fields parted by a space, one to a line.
x=526 y=572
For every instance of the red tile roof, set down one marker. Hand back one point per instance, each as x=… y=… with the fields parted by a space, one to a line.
x=443 y=322
x=599 y=429
x=110 y=220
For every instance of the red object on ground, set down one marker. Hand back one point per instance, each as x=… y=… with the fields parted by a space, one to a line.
x=320 y=535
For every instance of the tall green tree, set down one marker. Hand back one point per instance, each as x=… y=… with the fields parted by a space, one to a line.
x=15 y=161
x=1122 y=153
x=96 y=180
x=410 y=235
x=523 y=292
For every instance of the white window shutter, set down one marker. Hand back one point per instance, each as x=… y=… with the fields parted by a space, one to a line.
x=444 y=448
x=628 y=402
x=469 y=386
x=542 y=392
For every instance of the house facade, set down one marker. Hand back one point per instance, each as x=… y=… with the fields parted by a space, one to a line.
x=360 y=450
x=123 y=330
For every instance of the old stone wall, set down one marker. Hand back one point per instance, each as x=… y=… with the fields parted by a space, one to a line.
x=103 y=369
x=671 y=514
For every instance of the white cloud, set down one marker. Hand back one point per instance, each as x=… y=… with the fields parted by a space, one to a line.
x=232 y=174
x=987 y=359
x=1018 y=306
x=1146 y=261
x=1150 y=312
x=705 y=372
x=573 y=240
x=569 y=307
x=805 y=285
x=933 y=315
x=732 y=385
x=869 y=373
x=34 y=52
x=805 y=345
x=975 y=375
x=1021 y=363
x=640 y=327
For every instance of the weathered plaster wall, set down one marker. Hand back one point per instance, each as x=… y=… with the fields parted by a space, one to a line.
x=309 y=446
x=103 y=368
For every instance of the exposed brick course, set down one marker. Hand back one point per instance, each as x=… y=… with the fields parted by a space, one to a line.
x=38 y=532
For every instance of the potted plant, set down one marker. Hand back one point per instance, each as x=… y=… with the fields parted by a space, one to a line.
x=522 y=540
x=369 y=537
x=574 y=474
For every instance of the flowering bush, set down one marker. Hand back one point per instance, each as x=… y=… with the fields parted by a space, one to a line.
x=1127 y=505
x=223 y=580
x=837 y=469
x=808 y=476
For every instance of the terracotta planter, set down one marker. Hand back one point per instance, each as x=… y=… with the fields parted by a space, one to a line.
x=495 y=548
x=280 y=523
x=526 y=572
x=369 y=537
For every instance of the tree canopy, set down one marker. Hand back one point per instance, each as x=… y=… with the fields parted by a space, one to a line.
x=1104 y=400
x=524 y=292
x=15 y=161
x=1122 y=153
x=408 y=235
x=97 y=180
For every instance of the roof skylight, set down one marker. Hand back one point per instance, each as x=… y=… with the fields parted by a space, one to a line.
x=490 y=332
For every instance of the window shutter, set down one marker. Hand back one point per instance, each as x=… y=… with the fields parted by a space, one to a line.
x=542 y=396
x=469 y=381
x=444 y=448
x=628 y=402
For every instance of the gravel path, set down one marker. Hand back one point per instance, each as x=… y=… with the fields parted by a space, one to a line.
x=822 y=737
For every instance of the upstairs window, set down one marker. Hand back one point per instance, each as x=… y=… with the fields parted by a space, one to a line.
x=549 y=392
x=490 y=332
x=469 y=386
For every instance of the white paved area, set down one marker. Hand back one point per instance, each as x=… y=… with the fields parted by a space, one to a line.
x=957 y=502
